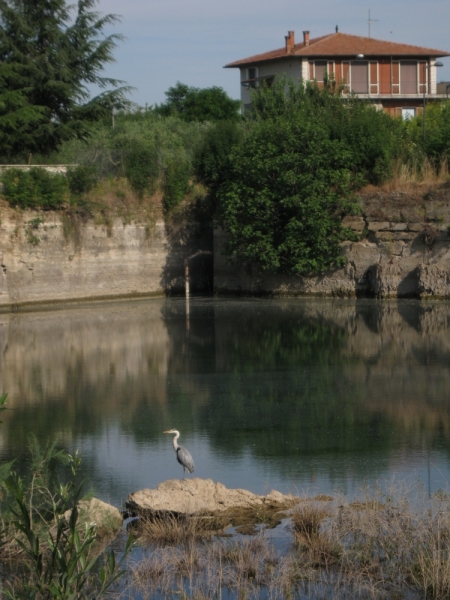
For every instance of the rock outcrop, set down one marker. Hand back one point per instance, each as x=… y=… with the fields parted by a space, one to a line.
x=48 y=257
x=107 y=519
x=200 y=496
x=403 y=252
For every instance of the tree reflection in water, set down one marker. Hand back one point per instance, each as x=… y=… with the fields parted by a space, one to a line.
x=265 y=391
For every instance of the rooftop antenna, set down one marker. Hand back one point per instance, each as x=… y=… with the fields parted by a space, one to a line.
x=371 y=21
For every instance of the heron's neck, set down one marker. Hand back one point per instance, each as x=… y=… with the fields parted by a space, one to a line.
x=175 y=443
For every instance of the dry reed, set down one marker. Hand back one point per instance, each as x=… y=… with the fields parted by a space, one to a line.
x=384 y=544
x=174 y=529
x=418 y=172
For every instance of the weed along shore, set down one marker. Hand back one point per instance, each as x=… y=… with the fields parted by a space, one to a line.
x=209 y=540
x=197 y=539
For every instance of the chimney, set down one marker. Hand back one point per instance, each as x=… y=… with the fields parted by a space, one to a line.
x=290 y=41
x=306 y=38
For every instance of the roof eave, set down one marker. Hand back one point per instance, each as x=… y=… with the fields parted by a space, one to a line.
x=251 y=61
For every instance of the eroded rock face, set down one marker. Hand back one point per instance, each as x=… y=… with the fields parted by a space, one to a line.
x=191 y=496
x=434 y=280
x=404 y=252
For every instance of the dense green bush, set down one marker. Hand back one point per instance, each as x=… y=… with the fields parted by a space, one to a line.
x=176 y=183
x=35 y=188
x=284 y=186
x=287 y=188
x=437 y=138
x=373 y=139
x=82 y=178
x=140 y=165
x=212 y=157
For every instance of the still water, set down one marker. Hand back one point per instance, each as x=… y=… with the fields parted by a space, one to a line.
x=314 y=396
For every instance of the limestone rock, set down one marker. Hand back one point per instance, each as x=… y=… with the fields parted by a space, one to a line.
x=107 y=519
x=204 y=496
x=354 y=222
x=386 y=279
x=434 y=281
x=378 y=225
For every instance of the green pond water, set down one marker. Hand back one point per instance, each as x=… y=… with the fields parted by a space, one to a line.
x=305 y=396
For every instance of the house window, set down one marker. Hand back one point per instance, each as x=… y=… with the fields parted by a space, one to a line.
x=360 y=78
x=252 y=76
x=408 y=113
x=408 y=77
x=320 y=67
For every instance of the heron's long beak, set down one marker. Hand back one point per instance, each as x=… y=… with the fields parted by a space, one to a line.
x=169 y=431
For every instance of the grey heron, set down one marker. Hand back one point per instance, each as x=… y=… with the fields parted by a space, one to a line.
x=183 y=455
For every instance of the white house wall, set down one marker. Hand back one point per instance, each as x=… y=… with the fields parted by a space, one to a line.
x=433 y=71
x=291 y=68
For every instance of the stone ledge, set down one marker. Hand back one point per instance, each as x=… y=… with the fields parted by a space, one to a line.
x=199 y=496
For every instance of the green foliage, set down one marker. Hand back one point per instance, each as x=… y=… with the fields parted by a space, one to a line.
x=437 y=139
x=373 y=139
x=288 y=186
x=82 y=178
x=194 y=104
x=212 y=158
x=282 y=191
x=34 y=188
x=176 y=183
x=141 y=167
x=48 y=58
x=58 y=557
x=140 y=147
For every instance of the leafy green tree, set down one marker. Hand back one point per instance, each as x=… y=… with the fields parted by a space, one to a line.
x=195 y=104
x=437 y=139
x=35 y=188
x=48 y=58
x=176 y=182
x=288 y=187
x=373 y=139
x=283 y=191
x=212 y=157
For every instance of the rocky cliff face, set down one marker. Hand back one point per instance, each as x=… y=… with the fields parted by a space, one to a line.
x=48 y=257
x=404 y=251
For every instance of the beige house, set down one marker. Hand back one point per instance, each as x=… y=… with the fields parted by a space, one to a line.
x=397 y=78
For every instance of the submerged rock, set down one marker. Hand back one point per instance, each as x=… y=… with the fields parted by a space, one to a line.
x=200 y=496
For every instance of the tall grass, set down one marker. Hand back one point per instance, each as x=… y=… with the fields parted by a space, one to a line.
x=418 y=172
x=384 y=544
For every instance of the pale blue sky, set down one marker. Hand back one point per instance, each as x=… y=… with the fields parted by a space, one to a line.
x=190 y=40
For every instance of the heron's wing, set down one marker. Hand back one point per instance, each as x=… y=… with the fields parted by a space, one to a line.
x=184 y=458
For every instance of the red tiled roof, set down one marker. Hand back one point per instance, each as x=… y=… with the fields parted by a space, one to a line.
x=343 y=45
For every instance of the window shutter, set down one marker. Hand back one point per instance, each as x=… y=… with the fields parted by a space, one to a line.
x=422 y=77
x=396 y=78
x=374 y=78
x=408 y=77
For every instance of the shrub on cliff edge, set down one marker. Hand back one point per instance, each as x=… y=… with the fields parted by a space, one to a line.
x=35 y=188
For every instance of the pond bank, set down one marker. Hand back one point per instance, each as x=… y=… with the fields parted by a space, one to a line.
x=379 y=545
x=403 y=252
x=50 y=257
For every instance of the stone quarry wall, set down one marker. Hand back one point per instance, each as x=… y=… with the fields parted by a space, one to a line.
x=404 y=251
x=49 y=257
